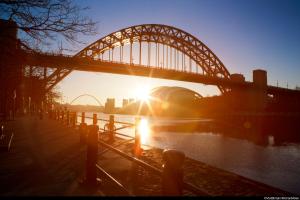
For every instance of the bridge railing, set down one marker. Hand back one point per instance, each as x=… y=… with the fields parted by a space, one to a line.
x=111 y=61
x=171 y=172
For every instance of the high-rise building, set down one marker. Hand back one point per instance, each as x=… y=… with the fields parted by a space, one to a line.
x=125 y=102
x=109 y=105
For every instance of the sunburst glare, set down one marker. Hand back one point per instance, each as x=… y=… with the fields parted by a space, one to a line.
x=143 y=93
x=144 y=130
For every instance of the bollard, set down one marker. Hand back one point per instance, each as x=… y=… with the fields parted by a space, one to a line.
x=172 y=176
x=137 y=140
x=111 y=128
x=91 y=156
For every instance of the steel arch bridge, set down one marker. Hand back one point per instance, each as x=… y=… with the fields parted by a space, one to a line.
x=175 y=50
x=87 y=95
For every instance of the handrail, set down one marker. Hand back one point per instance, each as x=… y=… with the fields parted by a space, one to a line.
x=155 y=170
x=134 y=159
x=105 y=150
x=114 y=180
x=107 y=120
x=119 y=134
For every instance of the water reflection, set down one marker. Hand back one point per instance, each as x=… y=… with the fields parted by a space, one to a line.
x=144 y=130
x=269 y=162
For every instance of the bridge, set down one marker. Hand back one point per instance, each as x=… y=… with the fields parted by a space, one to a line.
x=178 y=55
x=86 y=95
x=156 y=51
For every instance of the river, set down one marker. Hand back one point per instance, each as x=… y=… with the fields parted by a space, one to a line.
x=278 y=166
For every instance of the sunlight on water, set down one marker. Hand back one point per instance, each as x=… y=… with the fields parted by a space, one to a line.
x=144 y=130
x=278 y=166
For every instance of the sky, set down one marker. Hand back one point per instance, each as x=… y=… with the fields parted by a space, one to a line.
x=244 y=34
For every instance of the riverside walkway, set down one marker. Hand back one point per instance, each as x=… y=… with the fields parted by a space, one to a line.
x=46 y=158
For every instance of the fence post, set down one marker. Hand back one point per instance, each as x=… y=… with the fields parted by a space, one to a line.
x=95 y=120
x=111 y=128
x=172 y=176
x=137 y=138
x=62 y=116
x=68 y=118
x=82 y=117
x=74 y=118
x=41 y=114
x=2 y=131
x=82 y=129
x=56 y=115
x=91 y=157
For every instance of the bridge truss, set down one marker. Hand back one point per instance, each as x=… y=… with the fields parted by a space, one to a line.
x=152 y=45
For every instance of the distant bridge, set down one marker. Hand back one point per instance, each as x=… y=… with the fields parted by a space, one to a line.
x=88 y=95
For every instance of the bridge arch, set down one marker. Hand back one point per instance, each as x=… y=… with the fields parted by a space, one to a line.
x=170 y=36
x=176 y=39
x=93 y=97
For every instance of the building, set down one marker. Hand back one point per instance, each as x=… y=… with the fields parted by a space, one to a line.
x=109 y=106
x=131 y=100
x=125 y=103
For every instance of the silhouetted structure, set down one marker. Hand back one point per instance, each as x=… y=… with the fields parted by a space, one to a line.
x=10 y=69
x=237 y=94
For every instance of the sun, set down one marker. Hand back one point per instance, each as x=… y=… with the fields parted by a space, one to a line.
x=143 y=93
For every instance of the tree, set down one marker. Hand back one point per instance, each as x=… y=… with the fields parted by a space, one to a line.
x=38 y=22
x=41 y=21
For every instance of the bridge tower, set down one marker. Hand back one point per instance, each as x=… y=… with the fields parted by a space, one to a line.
x=259 y=93
x=10 y=72
x=237 y=93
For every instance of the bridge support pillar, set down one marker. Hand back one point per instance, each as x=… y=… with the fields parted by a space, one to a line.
x=258 y=98
x=259 y=94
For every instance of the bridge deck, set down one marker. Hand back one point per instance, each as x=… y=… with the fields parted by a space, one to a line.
x=47 y=159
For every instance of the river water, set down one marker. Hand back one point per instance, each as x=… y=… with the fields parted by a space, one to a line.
x=278 y=166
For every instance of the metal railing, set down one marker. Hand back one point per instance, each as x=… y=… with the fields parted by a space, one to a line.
x=171 y=173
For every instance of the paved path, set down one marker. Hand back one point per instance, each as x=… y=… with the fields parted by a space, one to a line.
x=45 y=159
